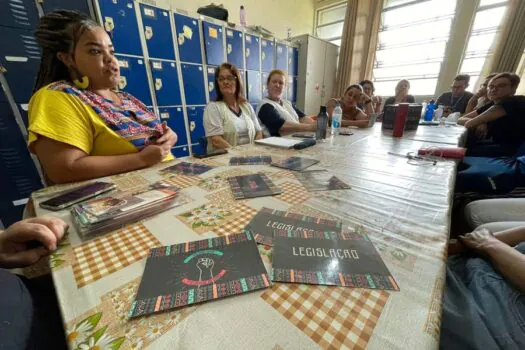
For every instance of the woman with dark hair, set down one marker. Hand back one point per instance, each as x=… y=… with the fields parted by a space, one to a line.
x=80 y=127
x=402 y=96
x=278 y=116
x=230 y=120
x=368 y=91
x=352 y=114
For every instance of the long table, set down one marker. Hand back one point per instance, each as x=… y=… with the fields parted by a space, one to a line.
x=403 y=206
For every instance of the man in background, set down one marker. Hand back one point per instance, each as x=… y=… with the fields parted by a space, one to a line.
x=457 y=99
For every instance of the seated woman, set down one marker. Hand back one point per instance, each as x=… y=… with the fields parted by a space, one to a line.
x=502 y=120
x=483 y=303
x=80 y=128
x=480 y=97
x=230 y=120
x=279 y=117
x=352 y=114
x=402 y=96
x=368 y=91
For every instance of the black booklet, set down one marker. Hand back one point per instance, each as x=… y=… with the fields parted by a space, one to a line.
x=194 y=272
x=186 y=168
x=295 y=163
x=251 y=160
x=321 y=180
x=251 y=186
x=266 y=221
x=329 y=258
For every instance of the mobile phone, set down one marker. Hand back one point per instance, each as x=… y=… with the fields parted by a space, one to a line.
x=77 y=195
x=210 y=154
x=346 y=133
x=303 y=136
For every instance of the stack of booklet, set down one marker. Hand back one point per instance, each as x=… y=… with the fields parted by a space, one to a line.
x=110 y=212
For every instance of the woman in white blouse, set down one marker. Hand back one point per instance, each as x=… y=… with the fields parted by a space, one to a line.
x=278 y=116
x=230 y=120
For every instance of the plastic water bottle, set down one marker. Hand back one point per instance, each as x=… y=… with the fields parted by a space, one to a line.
x=242 y=14
x=423 y=108
x=337 y=116
x=438 y=113
x=429 y=114
x=322 y=123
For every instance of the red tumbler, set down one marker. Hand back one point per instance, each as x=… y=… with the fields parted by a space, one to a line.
x=401 y=118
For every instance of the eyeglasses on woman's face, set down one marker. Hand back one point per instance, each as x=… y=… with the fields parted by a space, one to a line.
x=226 y=78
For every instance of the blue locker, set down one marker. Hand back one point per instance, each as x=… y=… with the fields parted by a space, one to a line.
x=166 y=83
x=234 y=47
x=157 y=31
x=18 y=14
x=214 y=44
x=180 y=151
x=20 y=56
x=290 y=88
x=211 y=84
x=188 y=39
x=253 y=82
x=281 y=57
x=196 y=125
x=267 y=53
x=174 y=116
x=264 y=80
x=253 y=52
x=193 y=79
x=119 y=20
x=78 y=5
x=133 y=78
x=292 y=94
x=295 y=60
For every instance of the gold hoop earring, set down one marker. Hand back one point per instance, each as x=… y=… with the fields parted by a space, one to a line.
x=83 y=83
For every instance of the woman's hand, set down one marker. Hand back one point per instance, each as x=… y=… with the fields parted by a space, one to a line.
x=27 y=241
x=455 y=247
x=169 y=137
x=472 y=123
x=259 y=135
x=153 y=154
x=479 y=240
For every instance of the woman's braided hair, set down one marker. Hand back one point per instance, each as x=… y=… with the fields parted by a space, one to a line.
x=58 y=31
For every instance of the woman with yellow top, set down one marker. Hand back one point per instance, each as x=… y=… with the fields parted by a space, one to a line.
x=80 y=127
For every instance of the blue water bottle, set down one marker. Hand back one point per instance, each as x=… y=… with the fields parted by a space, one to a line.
x=429 y=114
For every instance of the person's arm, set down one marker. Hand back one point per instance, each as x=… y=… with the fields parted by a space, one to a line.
x=64 y=163
x=218 y=142
x=367 y=103
x=214 y=128
x=471 y=105
x=462 y=120
x=277 y=125
x=259 y=135
x=255 y=120
x=509 y=262
x=357 y=123
x=303 y=118
x=493 y=113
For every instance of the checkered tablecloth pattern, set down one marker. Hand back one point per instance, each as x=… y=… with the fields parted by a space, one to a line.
x=293 y=193
x=112 y=252
x=245 y=212
x=279 y=175
x=334 y=318
x=182 y=181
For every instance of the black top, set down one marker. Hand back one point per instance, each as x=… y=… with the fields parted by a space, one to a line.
x=271 y=118
x=392 y=100
x=457 y=104
x=508 y=130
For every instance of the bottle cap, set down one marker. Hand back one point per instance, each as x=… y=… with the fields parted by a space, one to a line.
x=323 y=108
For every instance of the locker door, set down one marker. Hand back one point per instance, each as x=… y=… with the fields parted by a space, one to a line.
x=119 y=20
x=293 y=96
x=295 y=60
x=174 y=116
x=330 y=68
x=166 y=82
x=196 y=124
x=18 y=13
x=157 y=31
x=188 y=39
x=253 y=52
x=214 y=45
x=267 y=53
x=290 y=89
x=133 y=78
x=234 y=47
x=78 y=5
x=193 y=79
x=20 y=56
x=281 y=57
x=264 y=80
x=253 y=82
x=211 y=84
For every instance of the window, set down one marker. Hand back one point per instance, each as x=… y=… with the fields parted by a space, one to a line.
x=330 y=22
x=481 y=42
x=411 y=44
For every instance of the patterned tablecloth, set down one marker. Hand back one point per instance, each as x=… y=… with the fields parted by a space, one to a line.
x=403 y=207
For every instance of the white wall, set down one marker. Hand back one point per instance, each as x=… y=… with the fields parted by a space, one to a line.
x=274 y=15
